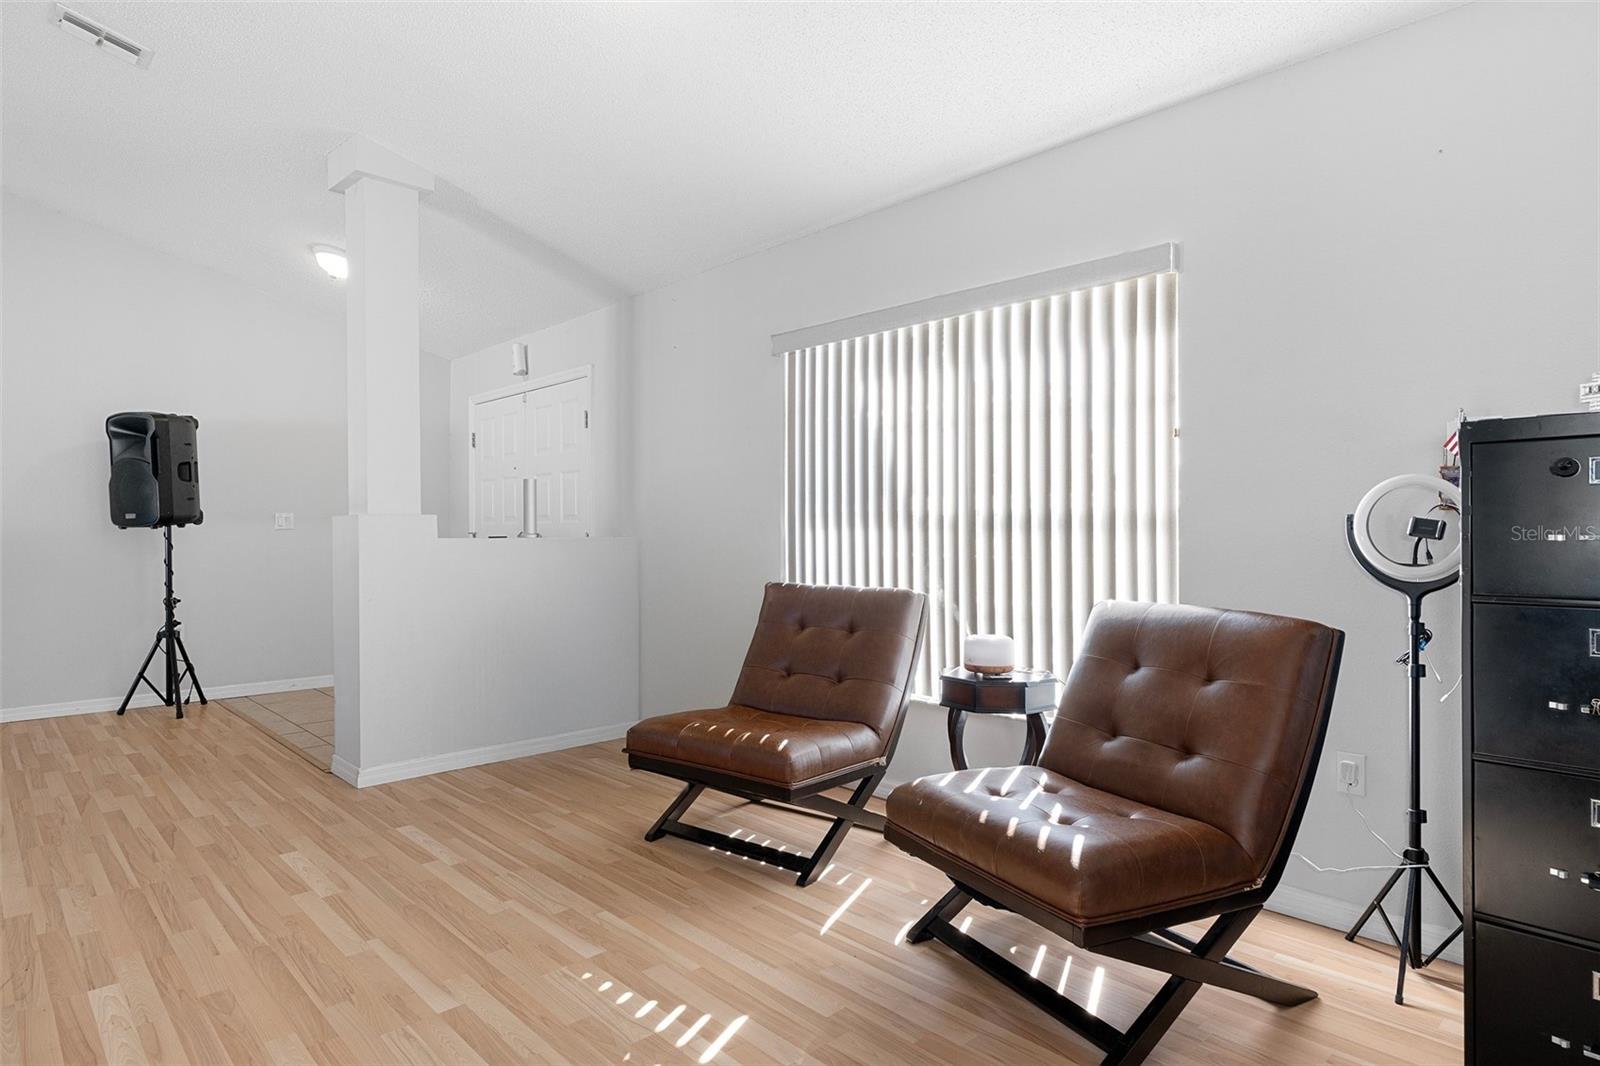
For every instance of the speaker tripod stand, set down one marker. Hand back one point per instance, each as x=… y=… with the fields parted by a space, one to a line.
x=1408 y=938
x=170 y=644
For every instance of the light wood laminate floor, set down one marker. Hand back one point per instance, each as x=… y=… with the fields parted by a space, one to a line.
x=190 y=891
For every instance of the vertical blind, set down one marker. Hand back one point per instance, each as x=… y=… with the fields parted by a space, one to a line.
x=1016 y=464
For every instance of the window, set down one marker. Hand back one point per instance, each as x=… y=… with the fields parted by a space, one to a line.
x=1016 y=463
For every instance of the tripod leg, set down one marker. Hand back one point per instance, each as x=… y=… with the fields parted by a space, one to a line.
x=1376 y=900
x=131 y=688
x=193 y=676
x=1445 y=893
x=1414 y=923
x=174 y=695
x=1405 y=937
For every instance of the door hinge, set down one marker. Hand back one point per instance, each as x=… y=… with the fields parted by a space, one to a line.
x=586 y=420
x=474 y=440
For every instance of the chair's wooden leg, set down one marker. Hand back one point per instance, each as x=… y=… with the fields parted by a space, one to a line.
x=835 y=835
x=1141 y=1037
x=1219 y=971
x=945 y=910
x=828 y=807
x=808 y=867
x=1205 y=963
x=674 y=811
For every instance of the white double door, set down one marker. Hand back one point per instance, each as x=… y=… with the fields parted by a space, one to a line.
x=534 y=443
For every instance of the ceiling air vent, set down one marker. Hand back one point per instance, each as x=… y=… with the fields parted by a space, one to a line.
x=87 y=29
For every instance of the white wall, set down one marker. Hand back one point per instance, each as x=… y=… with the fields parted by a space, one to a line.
x=1370 y=240
x=471 y=651
x=94 y=324
x=435 y=395
x=601 y=339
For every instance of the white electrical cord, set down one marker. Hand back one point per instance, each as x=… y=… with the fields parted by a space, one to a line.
x=1402 y=865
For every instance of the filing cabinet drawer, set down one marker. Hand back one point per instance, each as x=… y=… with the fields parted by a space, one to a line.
x=1536 y=847
x=1534 y=1000
x=1536 y=684
x=1536 y=518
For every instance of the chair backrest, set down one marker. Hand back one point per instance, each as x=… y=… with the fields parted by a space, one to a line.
x=837 y=653
x=1214 y=715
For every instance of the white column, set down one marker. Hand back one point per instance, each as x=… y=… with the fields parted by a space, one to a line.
x=383 y=408
x=383 y=399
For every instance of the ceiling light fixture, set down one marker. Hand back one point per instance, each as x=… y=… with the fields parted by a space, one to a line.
x=331 y=260
x=112 y=44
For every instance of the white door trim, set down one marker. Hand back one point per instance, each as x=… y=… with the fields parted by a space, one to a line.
x=560 y=377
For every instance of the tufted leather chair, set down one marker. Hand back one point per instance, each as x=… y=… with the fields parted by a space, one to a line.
x=1169 y=790
x=819 y=701
x=1182 y=742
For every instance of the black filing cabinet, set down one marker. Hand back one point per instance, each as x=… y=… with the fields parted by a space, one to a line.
x=1531 y=699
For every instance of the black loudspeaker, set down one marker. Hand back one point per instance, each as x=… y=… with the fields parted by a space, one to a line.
x=155 y=473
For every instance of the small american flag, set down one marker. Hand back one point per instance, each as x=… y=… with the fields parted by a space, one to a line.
x=1452 y=443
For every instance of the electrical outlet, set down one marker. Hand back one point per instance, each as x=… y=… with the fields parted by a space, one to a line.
x=1352 y=773
x=283 y=520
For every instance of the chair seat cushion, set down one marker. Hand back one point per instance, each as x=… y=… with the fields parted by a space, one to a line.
x=1089 y=856
x=778 y=748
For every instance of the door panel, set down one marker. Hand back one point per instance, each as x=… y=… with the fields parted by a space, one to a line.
x=558 y=458
x=500 y=431
x=538 y=439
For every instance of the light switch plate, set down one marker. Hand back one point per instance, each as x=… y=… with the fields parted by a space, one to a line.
x=283 y=520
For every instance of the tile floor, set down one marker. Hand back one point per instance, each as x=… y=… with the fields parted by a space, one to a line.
x=302 y=720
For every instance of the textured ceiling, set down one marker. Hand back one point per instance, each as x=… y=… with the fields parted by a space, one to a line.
x=587 y=150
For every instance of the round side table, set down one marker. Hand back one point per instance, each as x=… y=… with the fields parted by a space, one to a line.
x=1031 y=693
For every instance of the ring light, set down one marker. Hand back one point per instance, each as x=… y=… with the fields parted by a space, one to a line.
x=1394 y=524
x=1392 y=536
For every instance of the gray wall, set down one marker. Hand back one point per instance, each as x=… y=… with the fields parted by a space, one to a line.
x=1370 y=240
x=93 y=324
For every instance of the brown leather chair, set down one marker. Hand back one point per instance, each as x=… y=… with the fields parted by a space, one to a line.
x=819 y=704
x=1169 y=791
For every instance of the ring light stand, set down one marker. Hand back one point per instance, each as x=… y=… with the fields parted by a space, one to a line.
x=1409 y=938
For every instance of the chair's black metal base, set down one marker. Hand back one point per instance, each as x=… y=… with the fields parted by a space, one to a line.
x=1202 y=962
x=1408 y=938
x=807 y=867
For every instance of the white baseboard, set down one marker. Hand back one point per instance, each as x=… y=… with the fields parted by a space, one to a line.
x=345 y=771
x=146 y=699
x=384 y=773
x=1341 y=915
